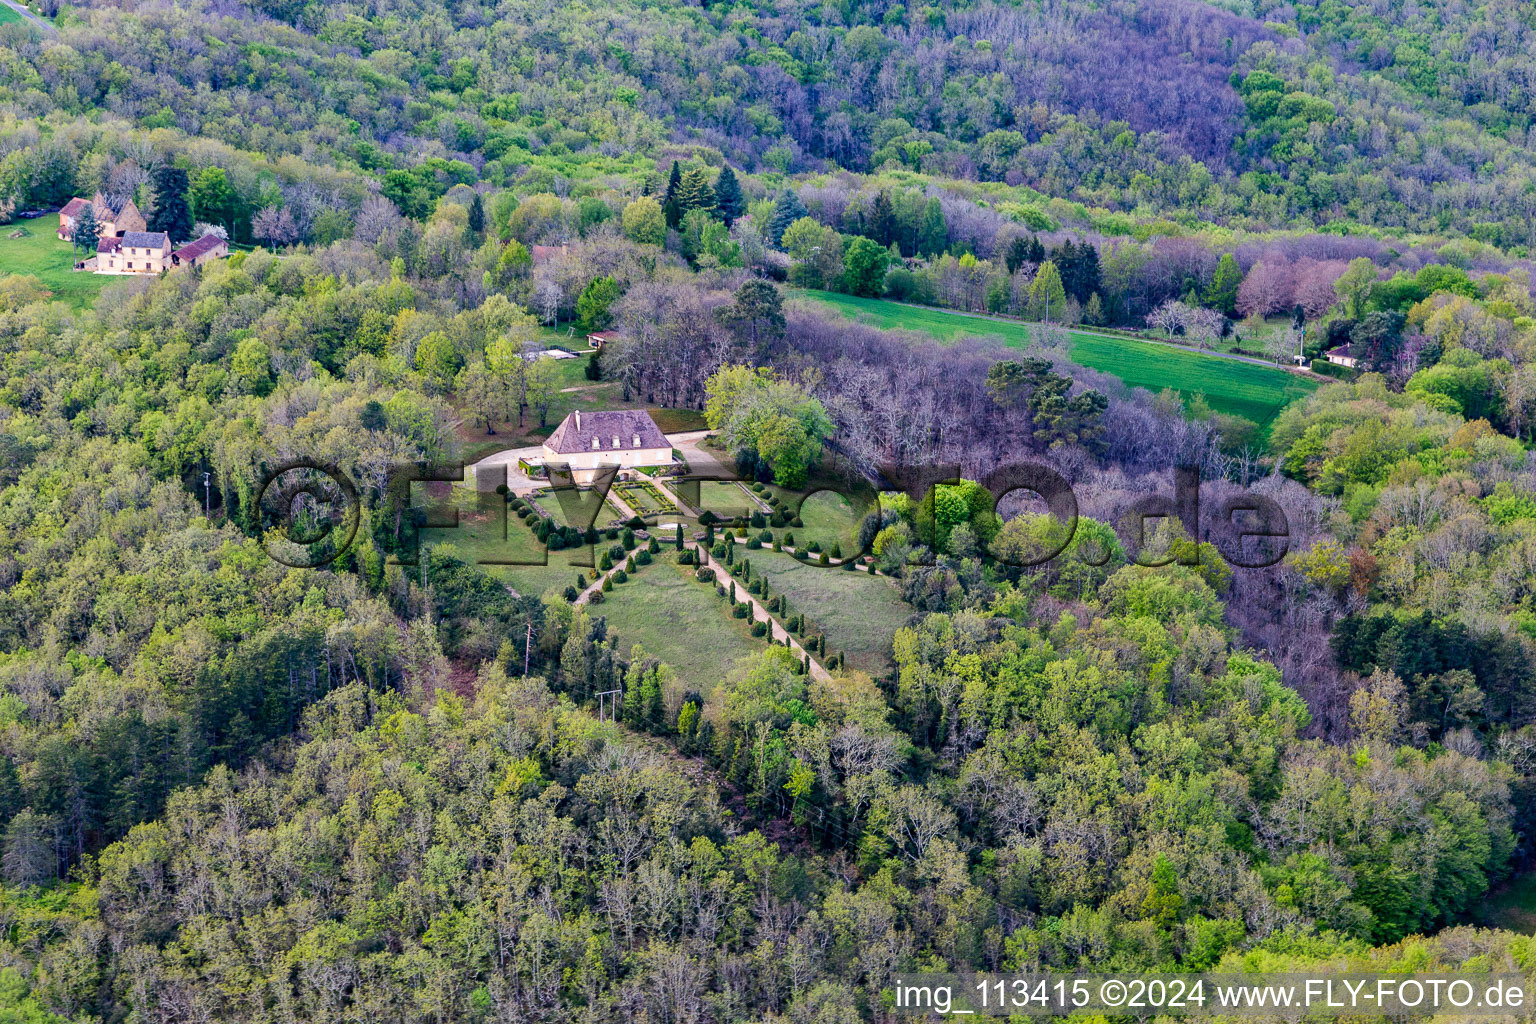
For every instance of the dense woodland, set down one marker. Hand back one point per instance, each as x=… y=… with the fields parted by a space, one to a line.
x=231 y=790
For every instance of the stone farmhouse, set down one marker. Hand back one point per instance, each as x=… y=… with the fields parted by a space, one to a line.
x=126 y=246
x=112 y=221
x=626 y=438
x=150 y=252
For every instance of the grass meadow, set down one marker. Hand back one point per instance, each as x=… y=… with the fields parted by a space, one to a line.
x=1256 y=393
x=39 y=252
x=858 y=612
x=679 y=620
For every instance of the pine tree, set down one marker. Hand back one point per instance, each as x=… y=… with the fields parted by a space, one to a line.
x=786 y=210
x=171 y=213
x=728 y=198
x=694 y=192
x=1017 y=254
x=1065 y=258
x=882 y=220
x=1036 y=250
x=1089 y=281
x=669 y=204
x=87 y=231
x=477 y=215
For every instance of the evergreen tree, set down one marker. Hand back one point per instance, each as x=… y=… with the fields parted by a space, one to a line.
x=694 y=192
x=1222 y=293
x=87 y=230
x=786 y=210
x=171 y=213
x=669 y=204
x=1036 y=250
x=1017 y=254
x=1089 y=278
x=477 y=215
x=755 y=316
x=882 y=221
x=728 y=198
x=1065 y=258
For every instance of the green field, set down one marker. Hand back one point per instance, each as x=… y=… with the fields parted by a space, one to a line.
x=1256 y=393
x=859 y=612
x=40 y=253
x=663 y=596
x=8 y=15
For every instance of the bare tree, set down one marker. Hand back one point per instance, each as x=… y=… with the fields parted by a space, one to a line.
x=1171 y=316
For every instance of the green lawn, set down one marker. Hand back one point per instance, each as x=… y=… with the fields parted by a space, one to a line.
x=40 y=253
x=859 y=612
x=1256 y=393
x=725 y=499
x=829 y=518
x=679 y=620
x=550 y=502
x=479 y=539
x=7 y=15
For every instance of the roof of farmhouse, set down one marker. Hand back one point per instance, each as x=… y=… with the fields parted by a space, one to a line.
x=634 y=428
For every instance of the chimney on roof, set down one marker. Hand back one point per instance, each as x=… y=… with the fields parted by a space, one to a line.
x=578 y=419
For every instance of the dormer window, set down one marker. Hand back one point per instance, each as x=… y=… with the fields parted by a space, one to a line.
x=637 y=440
x=596 y=444
x=615 y=441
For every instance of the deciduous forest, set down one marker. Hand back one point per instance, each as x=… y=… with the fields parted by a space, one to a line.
x=735 y=753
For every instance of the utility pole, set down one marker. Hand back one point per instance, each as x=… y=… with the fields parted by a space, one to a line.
x=207 y=494
x=608 y=704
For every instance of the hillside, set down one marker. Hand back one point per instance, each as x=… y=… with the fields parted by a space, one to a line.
x=339 y=683
x=1263 y=116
